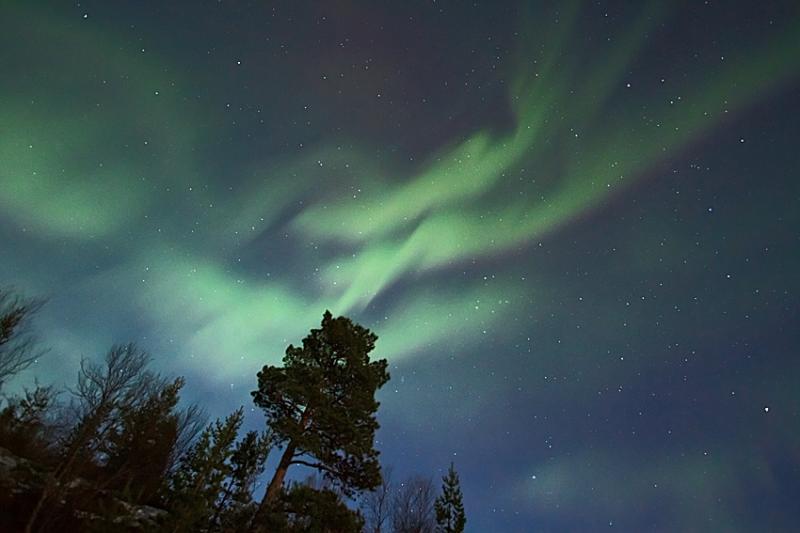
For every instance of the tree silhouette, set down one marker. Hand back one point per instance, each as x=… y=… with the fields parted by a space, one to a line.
x=233 y=508
x=138 y=449
x=27 y=426
x=103 y=391
x=450 y=517
x=198 y=479
x=321 y=405
x=376 y=505
x=16 y=345
x=413 y=506
x=303 y=509
x=122 y=454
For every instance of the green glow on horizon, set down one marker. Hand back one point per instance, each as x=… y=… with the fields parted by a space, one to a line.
x=244 y=324
x=692 y=481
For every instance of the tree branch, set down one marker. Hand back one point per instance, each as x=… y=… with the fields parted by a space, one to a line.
x=318 y=466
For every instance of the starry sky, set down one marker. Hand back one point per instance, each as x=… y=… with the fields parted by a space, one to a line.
x=573 y=225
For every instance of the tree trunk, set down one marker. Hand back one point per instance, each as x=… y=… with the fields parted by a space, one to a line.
x=55 y=481
x=275 y=486
x=277 y=480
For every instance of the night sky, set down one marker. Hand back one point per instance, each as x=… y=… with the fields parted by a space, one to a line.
x=574 y=228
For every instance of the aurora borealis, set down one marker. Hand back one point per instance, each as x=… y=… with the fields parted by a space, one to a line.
x=573 y=226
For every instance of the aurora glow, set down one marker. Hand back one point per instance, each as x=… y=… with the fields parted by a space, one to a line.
x=547 y=212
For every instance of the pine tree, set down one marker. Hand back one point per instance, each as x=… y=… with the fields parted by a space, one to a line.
x=450 y=517
x=302 y=509
x=211 y=489
x=138 y=451
x=321 y=405
x=233 y=509
x=199 y=479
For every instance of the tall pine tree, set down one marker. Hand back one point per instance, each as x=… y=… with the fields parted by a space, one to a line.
x=200 y=479
x=321 y=405
x=450 y=517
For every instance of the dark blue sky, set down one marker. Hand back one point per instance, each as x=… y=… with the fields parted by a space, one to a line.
x=574 y=229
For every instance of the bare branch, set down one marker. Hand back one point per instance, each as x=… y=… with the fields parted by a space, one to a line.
x=413 y=506
x=376 y=505
x=17 y=343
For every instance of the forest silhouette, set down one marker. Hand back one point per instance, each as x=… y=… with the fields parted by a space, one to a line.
x=120 y=451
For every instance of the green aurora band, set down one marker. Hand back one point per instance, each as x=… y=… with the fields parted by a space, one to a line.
x=488 y=194
x=440 y=216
